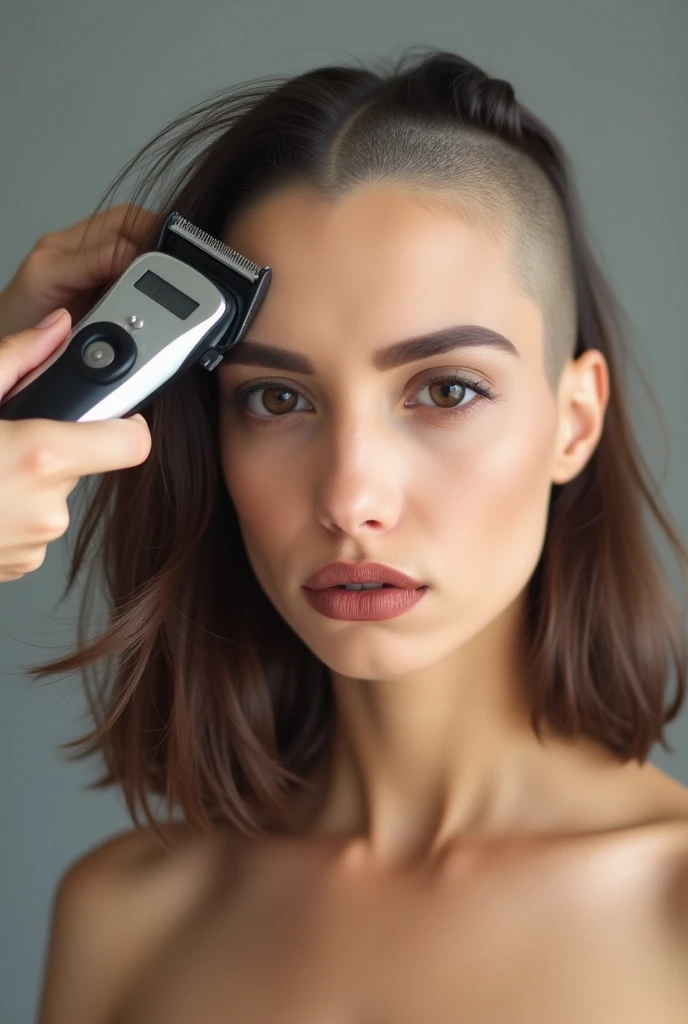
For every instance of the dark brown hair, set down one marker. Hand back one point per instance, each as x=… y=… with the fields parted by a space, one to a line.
x=206 y=697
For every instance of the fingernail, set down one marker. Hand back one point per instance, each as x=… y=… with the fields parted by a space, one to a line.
x=51 y=318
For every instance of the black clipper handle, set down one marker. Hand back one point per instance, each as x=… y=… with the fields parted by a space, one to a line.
x=75 y=382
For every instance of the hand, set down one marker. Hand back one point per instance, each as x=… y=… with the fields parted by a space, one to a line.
x=41 y=461
x=74 y=267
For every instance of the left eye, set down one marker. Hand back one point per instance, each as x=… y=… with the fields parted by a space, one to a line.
x=278 y=399
x=450 y=390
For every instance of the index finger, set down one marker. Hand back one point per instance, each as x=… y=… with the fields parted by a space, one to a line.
x=72 y=450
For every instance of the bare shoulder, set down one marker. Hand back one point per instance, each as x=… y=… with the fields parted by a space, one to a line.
x=136 y=864
x=112 y=908
x=670 y=826
x=131 y=852
x=134 y=874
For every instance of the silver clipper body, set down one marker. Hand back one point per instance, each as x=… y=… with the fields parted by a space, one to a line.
x=188 y=301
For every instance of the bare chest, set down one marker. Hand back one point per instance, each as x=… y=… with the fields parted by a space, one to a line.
x=537 y=939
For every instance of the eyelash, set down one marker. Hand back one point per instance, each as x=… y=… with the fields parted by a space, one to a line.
x=242 y=394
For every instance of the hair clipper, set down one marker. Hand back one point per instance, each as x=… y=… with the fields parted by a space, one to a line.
x=186 y=302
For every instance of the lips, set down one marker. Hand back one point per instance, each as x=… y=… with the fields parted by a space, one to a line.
x=338 y=573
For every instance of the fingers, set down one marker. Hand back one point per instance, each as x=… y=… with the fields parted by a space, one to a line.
x=55 y=452
x=69 y=268
x=41 y=461
x=88 y=267
x=78 y=270
x=127 y=220
x=24 y=351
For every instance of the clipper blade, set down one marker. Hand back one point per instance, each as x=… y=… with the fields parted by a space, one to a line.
x=215 y=248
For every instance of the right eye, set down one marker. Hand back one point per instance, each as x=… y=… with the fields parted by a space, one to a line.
x=277 y=400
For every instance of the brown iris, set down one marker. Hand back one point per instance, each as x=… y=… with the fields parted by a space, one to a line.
x=447 y=392
x=284 y=400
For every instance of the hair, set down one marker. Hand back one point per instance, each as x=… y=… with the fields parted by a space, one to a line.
x=206 y=698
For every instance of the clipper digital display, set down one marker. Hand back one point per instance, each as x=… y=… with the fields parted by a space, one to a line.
x=166 y=295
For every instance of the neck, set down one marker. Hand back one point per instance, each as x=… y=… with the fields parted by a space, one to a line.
x=421 y=761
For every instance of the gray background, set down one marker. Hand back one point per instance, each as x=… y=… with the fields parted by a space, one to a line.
x=85 y=82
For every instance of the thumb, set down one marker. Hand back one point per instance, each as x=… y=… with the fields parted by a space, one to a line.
x=24 y=351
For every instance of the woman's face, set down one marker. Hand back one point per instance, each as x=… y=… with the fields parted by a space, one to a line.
x=364 y=461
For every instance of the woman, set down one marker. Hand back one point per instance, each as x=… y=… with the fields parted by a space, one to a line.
x=431 y=802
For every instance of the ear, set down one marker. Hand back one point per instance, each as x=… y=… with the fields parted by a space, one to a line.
x=582 y=399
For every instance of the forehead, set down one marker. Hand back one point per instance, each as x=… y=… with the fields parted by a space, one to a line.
x=378 y=265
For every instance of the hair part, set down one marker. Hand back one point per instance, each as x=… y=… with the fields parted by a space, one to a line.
x=206 y=697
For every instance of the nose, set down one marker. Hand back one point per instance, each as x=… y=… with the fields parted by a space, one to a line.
x=360 y=484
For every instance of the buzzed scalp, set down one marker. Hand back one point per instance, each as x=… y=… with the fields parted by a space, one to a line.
x=482 y=178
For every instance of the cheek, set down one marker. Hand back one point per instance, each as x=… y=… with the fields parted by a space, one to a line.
x=265 y=501
x=491 y=511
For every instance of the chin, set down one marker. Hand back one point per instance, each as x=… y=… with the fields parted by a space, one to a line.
x=375 y=657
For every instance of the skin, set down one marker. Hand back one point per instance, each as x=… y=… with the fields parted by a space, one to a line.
x=432 y=734
x=446 y=867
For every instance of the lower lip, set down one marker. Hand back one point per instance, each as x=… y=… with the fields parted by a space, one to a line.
x=373 y=605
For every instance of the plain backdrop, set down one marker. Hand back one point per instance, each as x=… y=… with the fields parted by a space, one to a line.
x=86 y=82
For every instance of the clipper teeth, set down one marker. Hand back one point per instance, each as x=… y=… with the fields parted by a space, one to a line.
x=217 y=248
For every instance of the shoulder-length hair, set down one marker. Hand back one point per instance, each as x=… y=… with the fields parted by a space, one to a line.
x=206 y=698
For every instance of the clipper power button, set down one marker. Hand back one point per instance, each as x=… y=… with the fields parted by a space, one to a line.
x=97 y=354
x=102 y=352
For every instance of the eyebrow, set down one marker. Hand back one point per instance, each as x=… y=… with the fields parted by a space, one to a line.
x=258 y=353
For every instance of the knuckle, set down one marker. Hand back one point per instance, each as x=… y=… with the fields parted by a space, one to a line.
x=46 y=241
x=8 y=340
x=42 y=460
x=54 y=523
x=36 y=561
x=31 y=563
x=34 y=264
